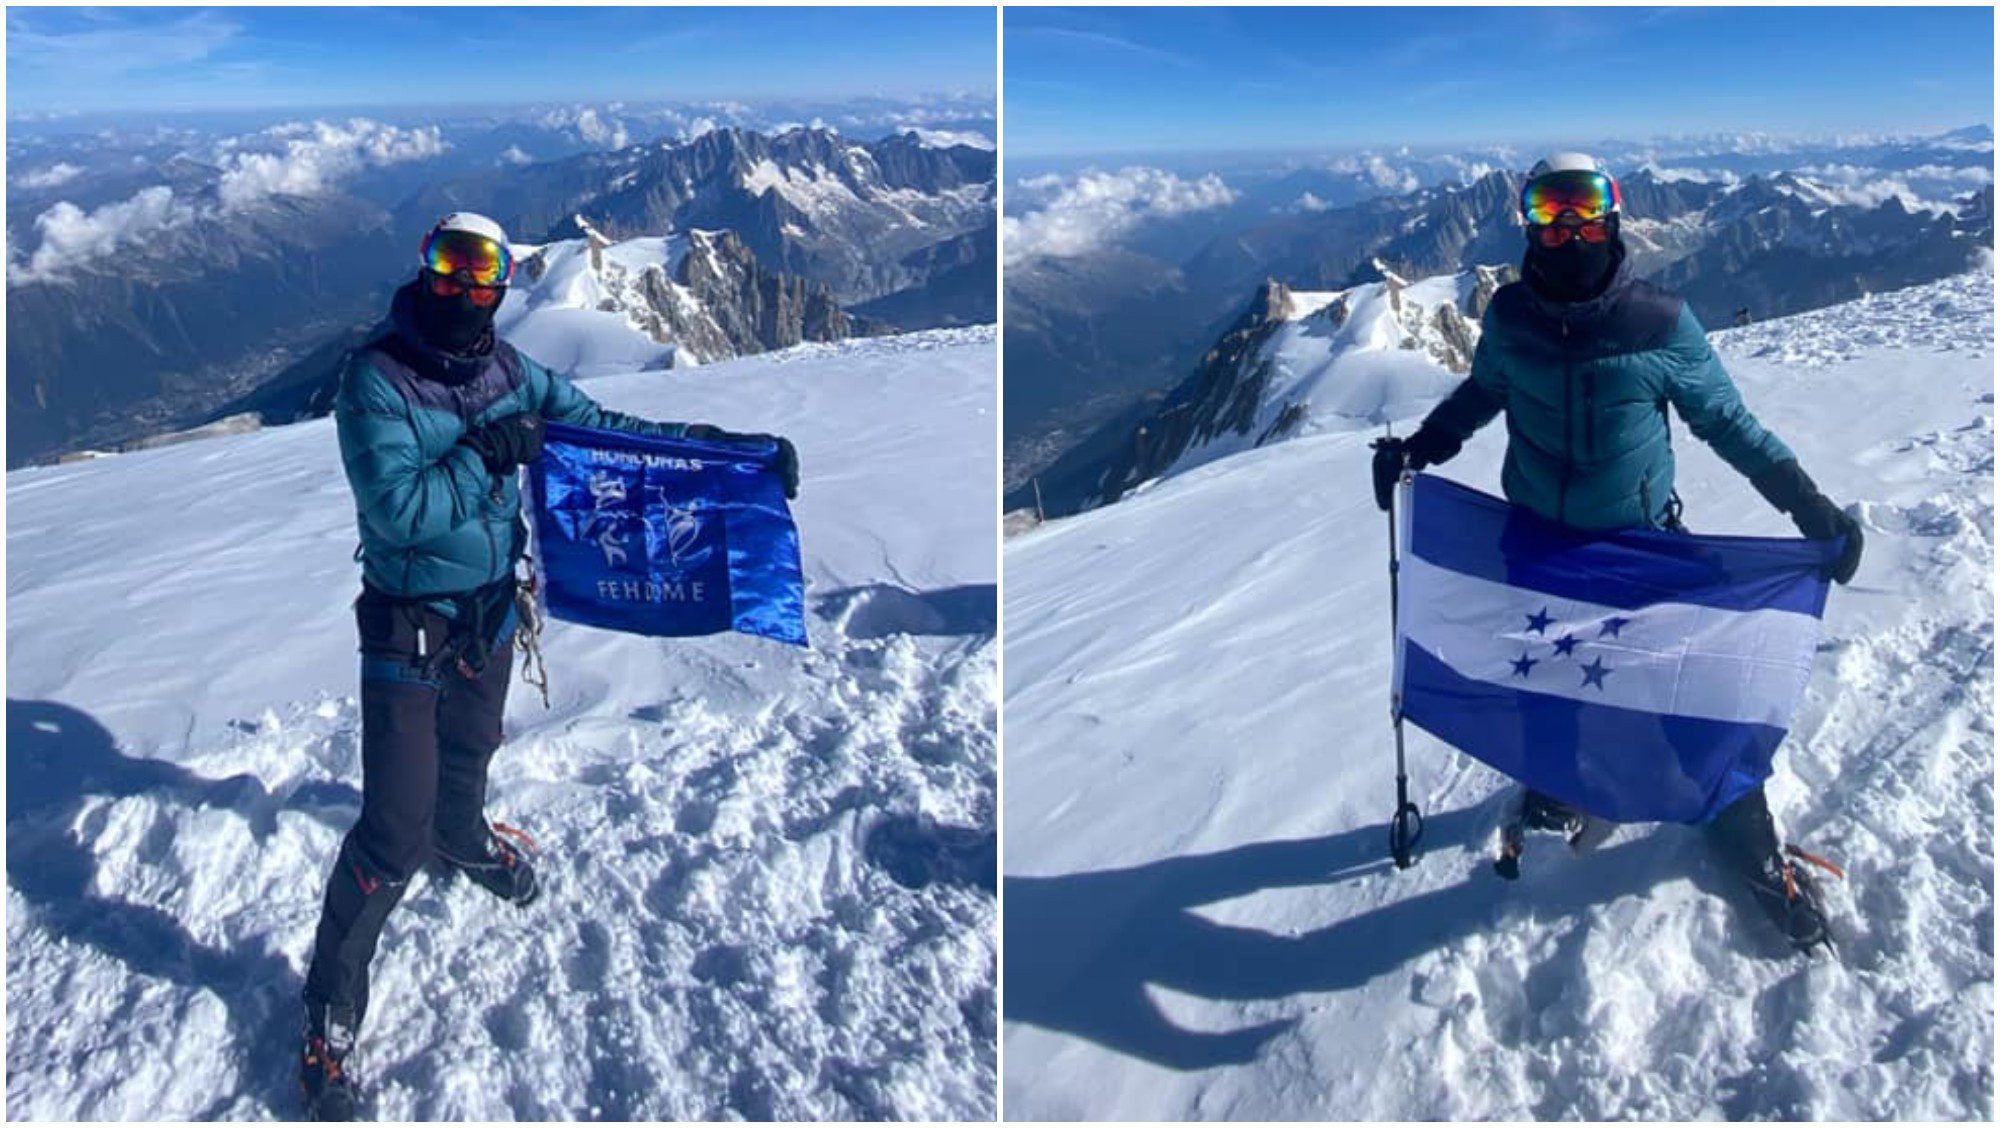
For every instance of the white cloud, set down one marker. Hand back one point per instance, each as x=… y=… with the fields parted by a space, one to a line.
x=1976 y=176
x=60 y=173
x=1973 y=176
x=1307 y=202
x=918 y=113
x=946 y=138
x=516 y=155
x=597 y=131
x=1473 y=171
x=1098 y=207
x=71 y=236
x=1932 y=188
x=1379 y=172
x=320 y=155
x=591 y=127
x=312 y=158
x=1672 y=175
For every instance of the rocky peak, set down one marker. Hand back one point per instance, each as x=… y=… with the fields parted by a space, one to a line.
x=755 y=308
x=1268 y=372
x=907 y=162
x=1649 y=196
x=1272 y=302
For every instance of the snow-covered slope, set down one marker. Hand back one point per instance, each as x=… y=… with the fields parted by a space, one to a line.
x=591 y=305
x=1299 y=362
x=1348 y=358
x=766 y=893
x=587 y=314
x=1201 y=919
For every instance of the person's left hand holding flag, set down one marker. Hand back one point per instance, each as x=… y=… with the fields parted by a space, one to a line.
x=787 y=463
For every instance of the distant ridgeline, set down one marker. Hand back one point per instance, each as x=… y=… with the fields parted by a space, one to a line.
x=1280 y=358
x=1762 y=247
x=806 y=235
x=700 y=298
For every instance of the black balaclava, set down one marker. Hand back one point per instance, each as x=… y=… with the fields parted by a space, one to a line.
x=1576 y=271
x=452 y=324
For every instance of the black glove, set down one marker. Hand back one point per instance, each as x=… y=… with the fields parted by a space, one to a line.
x=1787 y=487
x=507 y=443
x=1430 y=446
x=788 y=455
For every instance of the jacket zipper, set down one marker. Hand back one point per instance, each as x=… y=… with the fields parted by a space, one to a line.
x=1569 y=424
x=1590 y=413
x=492 y=543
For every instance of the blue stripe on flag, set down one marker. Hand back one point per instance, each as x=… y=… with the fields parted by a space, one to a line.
x=1619 y=764
x=1459 y=528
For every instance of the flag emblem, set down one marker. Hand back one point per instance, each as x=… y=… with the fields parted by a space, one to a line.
x=661 y=536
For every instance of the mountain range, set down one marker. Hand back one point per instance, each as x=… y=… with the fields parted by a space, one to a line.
x=856 y=216
x=228 y=304
x=590 y=305
x=1098 y=342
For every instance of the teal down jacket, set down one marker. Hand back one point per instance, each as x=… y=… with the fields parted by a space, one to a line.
x=1586 y=387
x=434 y=521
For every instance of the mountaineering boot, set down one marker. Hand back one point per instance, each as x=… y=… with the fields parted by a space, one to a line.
x=323 y=1075
x=502 y=863
x=1539 y=812
x=1532 y=810
x=1745 y=837
x=1789 y=895
x=1513 y=843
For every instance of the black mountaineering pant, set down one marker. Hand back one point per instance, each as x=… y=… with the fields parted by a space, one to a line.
x=1744 y=833
x=428 y=732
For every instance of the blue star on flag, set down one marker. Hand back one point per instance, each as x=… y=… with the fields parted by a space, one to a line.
x=1593 y=674
x=1565 y=644
x=1523 y=664
x=1540 y=620
x=1612 y=626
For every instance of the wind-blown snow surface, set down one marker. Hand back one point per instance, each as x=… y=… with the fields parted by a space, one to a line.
x=770 y=870
x=1201 y=920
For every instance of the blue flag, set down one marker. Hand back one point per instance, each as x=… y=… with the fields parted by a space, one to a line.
x=1640 y=675
x=672 y=537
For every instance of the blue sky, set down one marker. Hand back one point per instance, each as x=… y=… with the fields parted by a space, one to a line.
x=1163 y=80
x=82 y=59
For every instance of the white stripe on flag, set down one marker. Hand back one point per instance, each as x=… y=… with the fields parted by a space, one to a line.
x=1748 y=667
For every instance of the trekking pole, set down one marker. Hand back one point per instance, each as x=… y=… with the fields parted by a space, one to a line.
x=1406 y=829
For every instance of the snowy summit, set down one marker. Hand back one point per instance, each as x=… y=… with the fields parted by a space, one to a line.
x=769 y=871
x=1202 y=920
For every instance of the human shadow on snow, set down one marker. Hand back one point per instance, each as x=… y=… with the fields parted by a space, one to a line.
x=1081 y=948
x=58 y=759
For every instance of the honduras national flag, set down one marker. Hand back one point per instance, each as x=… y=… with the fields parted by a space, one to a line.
x=659 y=536
x=1641 y=675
